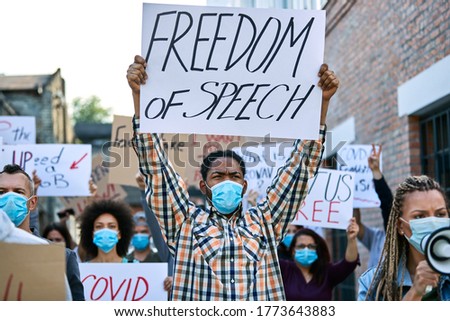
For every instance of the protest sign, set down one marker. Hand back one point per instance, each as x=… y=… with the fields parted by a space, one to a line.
x=32 y=272
x=18 y=130
x=122 y=159
x=17 y=154
x=105 y=190
x=329 y=202
x=123 y=282
x=64 y=169
x=232 y=71
x=262 y=162
x=353 y=158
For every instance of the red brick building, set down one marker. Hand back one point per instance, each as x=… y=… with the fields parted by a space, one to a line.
x=393 y=61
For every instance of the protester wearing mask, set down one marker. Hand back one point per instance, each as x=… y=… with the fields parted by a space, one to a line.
x=141 y=241
x=420 y=207
x=225 y=252
x=17 y=199
x=311 y=276
x=105 y=231
x=283 y=248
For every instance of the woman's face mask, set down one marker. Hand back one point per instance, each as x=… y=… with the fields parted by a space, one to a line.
x=106 y=239
x=422 y=227
x=305 y=257
x=15 y=206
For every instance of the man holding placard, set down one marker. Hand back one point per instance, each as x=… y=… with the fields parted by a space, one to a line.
x=229 y=71
x=224 y=253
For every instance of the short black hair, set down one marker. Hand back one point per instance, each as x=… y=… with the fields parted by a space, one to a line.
x=208 y=160
x=16 y=169
x=117 y=208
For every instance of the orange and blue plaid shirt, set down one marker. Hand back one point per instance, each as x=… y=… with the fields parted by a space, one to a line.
x=217 y=258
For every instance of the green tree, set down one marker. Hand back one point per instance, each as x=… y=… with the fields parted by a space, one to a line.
x=90 y=110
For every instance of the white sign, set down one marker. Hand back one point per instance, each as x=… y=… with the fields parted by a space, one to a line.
x=262 y=162
x=329 y=202
x=64 y=169
x=232 y=71
x=353 y=158
x=18 y=130
x=123 y=281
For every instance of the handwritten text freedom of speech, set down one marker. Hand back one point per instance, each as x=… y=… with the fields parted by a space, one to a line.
x=229 y=64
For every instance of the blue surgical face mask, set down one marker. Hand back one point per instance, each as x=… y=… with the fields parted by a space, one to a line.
x=288 y=239
x=423 y=227
x=140 y=241
x=106 y=239
x=226 y=196
x=15 y=206
x=305 y=257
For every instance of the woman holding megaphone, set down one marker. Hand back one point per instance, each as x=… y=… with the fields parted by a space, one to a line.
x=420 y=207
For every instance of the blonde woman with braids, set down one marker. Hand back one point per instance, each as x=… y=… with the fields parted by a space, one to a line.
x=419 y=208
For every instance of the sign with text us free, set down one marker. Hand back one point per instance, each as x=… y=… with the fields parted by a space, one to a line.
x=329 y=202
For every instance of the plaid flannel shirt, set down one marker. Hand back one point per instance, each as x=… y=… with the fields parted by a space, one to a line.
x=218 y=258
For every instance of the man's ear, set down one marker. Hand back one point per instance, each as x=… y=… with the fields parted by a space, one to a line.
x=33 y=201
x=244 y=188
x=202 y=186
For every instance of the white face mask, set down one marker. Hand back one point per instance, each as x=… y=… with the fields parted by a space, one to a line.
x=423 y=227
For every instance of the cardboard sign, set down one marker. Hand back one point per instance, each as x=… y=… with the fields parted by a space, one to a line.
x=329 y=202
x=123 y=281
x=63 y=168
x=123 y=162
x=18 y=129
x=105 y=190
x=32 y=272
x=353 y=158
x=232 y=71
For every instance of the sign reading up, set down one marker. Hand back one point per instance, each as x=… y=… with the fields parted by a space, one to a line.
x=64 y=169
x=232 y=71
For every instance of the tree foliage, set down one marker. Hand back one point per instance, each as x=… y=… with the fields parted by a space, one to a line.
x=90 y=110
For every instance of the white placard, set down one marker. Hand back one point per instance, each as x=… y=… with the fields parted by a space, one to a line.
x=232 y=71
x=123 y=281
x=329 y=202
x=64 y=169
x=262 y=163
x=353 y=158
x=18 y=129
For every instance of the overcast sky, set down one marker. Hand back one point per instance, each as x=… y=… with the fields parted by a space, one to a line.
x=92 y=41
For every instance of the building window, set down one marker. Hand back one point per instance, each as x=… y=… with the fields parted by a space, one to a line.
x=435 y=147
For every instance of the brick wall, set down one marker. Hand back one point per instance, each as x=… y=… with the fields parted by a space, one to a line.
x=374 y=48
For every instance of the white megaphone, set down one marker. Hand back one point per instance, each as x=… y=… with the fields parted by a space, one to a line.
x=436 y=247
